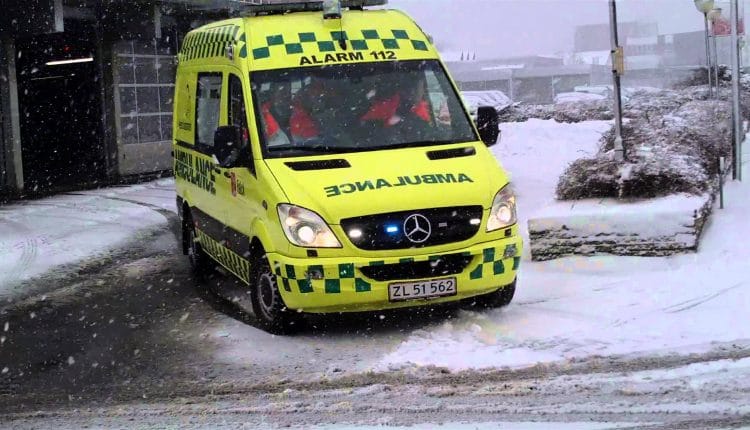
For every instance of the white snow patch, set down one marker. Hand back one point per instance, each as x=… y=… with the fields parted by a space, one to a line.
x=37 y=236
x=575 y=97
x=496 y=99
x=481 y=426
x=581 y=306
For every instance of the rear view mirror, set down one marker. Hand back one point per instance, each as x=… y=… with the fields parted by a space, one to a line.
x=488 y=124
x=227 y=145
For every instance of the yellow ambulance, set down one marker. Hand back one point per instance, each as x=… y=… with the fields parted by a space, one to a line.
x=323 y=156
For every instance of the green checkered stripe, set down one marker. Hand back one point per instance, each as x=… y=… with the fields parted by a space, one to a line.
x=492 y=264
x=343 y=277
x=212 y=43
x=313 y=43
x=337 y=278
x=227 y=258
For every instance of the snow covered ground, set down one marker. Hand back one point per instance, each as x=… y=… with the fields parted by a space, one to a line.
x=564 y=309
x=577 y=307
x=39 y=236
x=570 y=315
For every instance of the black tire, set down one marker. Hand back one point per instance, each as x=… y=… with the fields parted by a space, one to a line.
x=499 y=298
x=200 y=262
x=268 y=305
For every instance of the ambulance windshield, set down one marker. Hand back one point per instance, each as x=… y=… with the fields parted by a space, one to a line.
x=357 y=107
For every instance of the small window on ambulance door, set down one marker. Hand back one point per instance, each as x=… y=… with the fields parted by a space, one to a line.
x=208 y=107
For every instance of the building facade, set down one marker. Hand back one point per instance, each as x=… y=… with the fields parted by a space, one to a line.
x=86 y=89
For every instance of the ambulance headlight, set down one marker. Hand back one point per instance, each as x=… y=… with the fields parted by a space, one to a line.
x=503 y=212
x=305 y=228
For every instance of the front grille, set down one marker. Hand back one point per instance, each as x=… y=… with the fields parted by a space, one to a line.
x=446 y=265
x=388 y=231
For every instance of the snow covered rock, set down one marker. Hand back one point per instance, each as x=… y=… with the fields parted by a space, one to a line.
x=655 y=203
x=643 y=227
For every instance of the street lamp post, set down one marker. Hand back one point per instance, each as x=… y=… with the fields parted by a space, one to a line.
x=617 y=70
x=739 y=136
x=704 y=7
x=714 y=16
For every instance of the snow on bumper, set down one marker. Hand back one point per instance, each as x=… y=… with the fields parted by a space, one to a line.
x=357 y=284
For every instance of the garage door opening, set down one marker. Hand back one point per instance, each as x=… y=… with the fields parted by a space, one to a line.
x=60 y=104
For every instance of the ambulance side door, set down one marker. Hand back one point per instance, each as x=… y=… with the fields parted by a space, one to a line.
x=236 y=186
x=208 y=210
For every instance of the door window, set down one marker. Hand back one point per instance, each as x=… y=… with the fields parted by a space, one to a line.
x=236 y=108
x=208 y=107
x=237 y=116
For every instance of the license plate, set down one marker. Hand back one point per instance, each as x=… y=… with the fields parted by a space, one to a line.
x=422 y=289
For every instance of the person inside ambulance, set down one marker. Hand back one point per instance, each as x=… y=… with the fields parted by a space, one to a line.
x=402 y=108
x=288 y=119
x=303 y=126
x=317 y=117
x=276 y=113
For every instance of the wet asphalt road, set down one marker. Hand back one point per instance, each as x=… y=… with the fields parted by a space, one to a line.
x=134 y=327
x=126 y=343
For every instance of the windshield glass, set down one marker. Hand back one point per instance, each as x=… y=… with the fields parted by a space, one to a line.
x=357 y=107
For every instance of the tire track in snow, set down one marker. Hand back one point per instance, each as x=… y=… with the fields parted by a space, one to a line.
x=689 y=304
x=29 y=251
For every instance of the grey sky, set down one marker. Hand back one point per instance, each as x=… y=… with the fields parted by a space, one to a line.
x=503 y=28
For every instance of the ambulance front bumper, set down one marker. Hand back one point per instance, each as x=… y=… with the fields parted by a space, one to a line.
x=324 y=285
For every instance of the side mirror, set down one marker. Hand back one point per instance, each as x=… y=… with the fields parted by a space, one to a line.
x=228 y=145
x=488 y=123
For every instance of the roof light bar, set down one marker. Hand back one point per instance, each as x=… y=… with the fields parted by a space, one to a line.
x=299 y=5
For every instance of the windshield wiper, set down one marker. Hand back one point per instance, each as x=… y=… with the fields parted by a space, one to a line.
x=316 y=149
x=414 y=144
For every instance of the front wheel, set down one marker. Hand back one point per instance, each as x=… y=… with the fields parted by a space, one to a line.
x=268 y=305
x=499 y=298
x=200 y=262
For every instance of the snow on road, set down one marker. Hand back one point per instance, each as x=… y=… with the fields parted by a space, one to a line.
x=37 y=236
x=577 y=307
x=568 y=308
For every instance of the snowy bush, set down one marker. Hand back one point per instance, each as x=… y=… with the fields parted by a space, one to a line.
x=522 y=113
x=700 y=77
x=668 y=153
x=583 y=110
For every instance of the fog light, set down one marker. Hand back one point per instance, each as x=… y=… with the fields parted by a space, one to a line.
x=510 y=251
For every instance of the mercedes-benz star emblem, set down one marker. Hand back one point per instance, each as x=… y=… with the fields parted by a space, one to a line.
x=417 y=228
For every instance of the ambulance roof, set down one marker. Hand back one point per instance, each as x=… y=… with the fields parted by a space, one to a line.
x=301 y=39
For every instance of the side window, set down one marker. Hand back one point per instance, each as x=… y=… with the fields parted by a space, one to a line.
x=237 y=116
x=236 y=109
x=208 y=107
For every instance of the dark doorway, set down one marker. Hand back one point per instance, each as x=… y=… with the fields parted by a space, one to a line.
x=60 y=103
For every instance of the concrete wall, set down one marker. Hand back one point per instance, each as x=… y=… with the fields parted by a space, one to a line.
x=11 y=179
